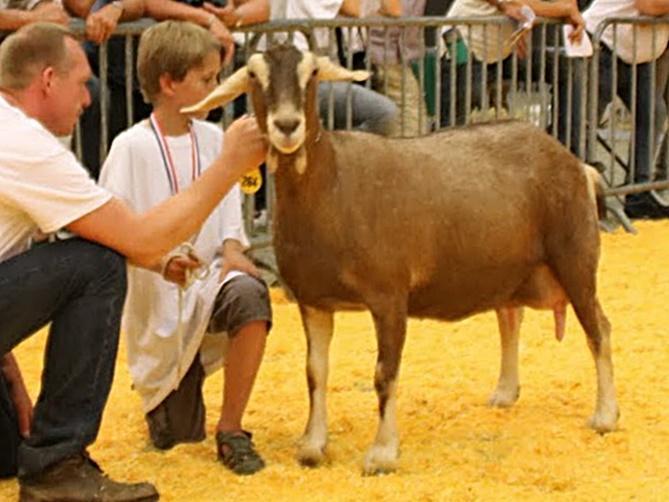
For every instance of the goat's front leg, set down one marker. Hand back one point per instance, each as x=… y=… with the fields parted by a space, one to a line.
x=390 y=322
x=508 y=389
x=318 y=325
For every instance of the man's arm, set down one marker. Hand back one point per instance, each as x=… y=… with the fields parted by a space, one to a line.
x=350 y=8
x=390 y=8
x=241 y=13
x=170 y=9
x=13 y=19
x=132 y=9
x=145 y=239
x=652 y=7
x=101 y=24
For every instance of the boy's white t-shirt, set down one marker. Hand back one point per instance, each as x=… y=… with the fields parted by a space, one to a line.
x=42 y=184
x=159 y=350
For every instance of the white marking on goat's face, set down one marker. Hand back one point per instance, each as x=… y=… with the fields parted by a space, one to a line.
x=286 y=128
x=258 y=68
x=289 y=77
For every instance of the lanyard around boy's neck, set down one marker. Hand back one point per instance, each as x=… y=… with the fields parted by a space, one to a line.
x=168 y=163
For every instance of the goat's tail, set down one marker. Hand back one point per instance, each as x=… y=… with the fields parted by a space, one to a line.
x=596 y=189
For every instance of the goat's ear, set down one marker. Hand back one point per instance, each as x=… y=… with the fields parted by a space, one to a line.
x=233 y=86
x=327 y=70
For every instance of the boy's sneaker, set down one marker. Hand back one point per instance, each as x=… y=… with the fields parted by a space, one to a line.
x=236 y=451
x=79 y=478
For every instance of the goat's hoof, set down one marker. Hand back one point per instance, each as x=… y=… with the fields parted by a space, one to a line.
x=604 y=421
x=380 y=460
x=504 y=398
x=310 y=455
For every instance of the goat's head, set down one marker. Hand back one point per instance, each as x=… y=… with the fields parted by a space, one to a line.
x=282 y=83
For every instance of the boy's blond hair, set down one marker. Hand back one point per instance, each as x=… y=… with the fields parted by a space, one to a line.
x=173 y=48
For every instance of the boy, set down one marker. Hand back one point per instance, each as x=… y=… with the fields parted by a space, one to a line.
x=176 y=336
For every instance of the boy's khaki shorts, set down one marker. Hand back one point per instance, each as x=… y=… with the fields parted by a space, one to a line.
x=180 y=418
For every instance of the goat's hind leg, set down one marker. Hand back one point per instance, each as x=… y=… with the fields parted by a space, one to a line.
x=508 y=389
x=318 y=326
x=579 y=282
x=598 y=331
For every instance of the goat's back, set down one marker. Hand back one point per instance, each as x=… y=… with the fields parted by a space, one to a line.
x=467 y=212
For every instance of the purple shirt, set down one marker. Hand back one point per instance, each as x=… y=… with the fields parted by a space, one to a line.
x=403 y=44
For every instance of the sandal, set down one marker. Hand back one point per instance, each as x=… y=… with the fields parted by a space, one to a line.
x=236 y=452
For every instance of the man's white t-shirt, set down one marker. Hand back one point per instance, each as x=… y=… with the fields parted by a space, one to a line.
x=42 y=185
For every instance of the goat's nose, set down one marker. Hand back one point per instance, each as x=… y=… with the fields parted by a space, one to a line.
x=287 y=126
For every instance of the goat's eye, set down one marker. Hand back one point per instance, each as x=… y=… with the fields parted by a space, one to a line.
x=252 y=74
x=314 y=72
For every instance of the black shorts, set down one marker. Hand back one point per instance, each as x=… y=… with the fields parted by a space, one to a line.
x=180 y=417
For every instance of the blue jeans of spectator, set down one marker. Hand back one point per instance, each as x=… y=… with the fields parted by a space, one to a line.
x=370 y=111
x=79 y=287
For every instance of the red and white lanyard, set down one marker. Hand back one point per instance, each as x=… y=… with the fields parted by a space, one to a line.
x=168 y=163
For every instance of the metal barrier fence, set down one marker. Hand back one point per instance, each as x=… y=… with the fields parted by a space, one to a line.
x=464 y=76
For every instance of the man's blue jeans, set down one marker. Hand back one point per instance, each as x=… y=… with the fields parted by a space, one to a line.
x=79 y=287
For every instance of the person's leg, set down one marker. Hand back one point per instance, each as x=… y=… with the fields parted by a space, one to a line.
x=9 y=432
x=242 y=309
x=406 y=94
x=79 y=287
x=90 y=131
x=642 y=97
x=370 y=111
x=180 y=417
x=571 y=78
x=661 y=80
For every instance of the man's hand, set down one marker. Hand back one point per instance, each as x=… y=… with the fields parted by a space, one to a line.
x=223 y=35
x=525 y=16
x=227 y=14
x=101 y=24
x=577 y=21
x=245 y=146
x=178 y=268
x=50 y=12
x=235 y=259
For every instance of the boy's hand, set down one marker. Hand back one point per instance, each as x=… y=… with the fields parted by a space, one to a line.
x=179 y=267
x=245 y=146
x=235 y=259
x=50 y=12
x=101 y=24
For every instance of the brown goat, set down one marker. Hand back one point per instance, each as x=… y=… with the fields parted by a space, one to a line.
x=484 y=217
